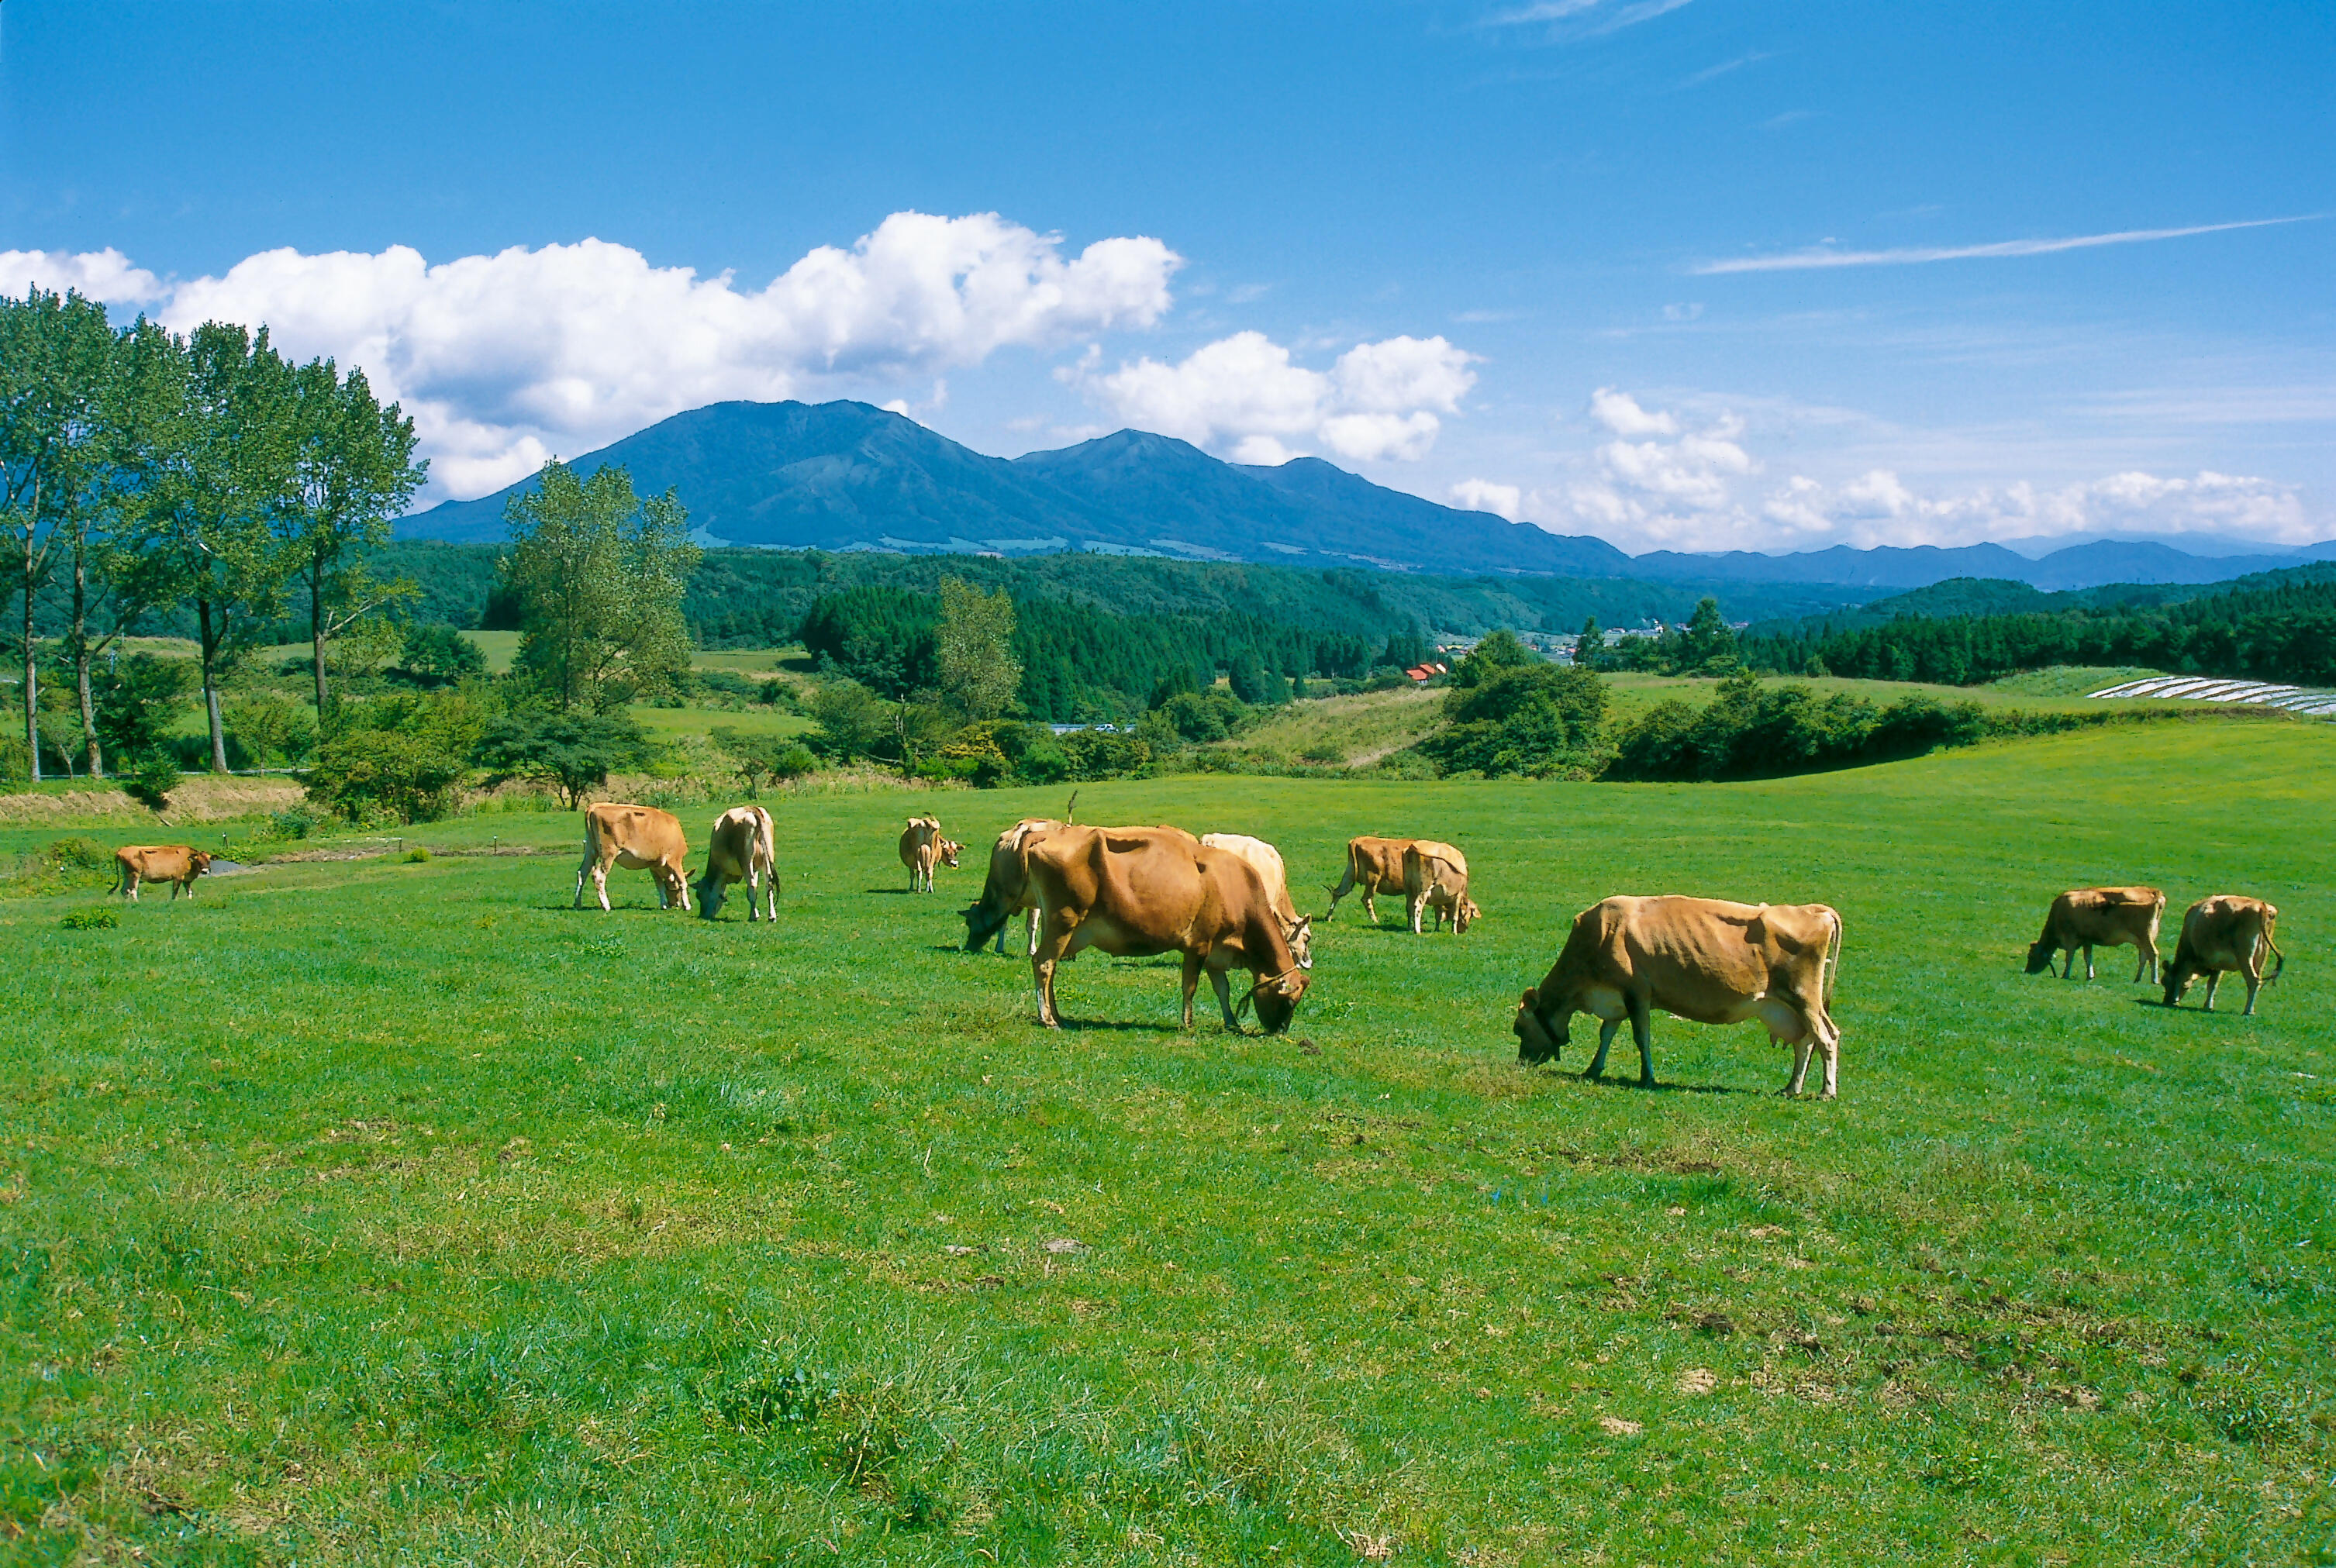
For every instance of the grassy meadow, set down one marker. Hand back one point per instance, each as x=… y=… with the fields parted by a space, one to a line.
x=388 y=1211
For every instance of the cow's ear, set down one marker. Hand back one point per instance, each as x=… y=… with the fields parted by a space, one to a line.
x=1527 y=1000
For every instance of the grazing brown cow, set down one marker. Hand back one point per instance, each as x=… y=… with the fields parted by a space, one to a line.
x=175 y=864
x=1435 y=876
x=744 y=849
x=921 y=843
x=1696 y=958
x=1005 y=891
x=2228 y=931
x=2090 y=917
x=1296 y=929
x=1138 y=891
x=1374 y=865
x=635 y=837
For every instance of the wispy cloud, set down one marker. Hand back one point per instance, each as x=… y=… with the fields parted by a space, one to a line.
x=1713 y=72
x=1569 y=19
x=1803 y=260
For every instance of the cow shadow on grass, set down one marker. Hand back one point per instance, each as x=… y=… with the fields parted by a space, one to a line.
x=1619 y=1083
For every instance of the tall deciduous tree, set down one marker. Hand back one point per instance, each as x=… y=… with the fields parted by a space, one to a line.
x=56 y=361
x=213 y=443
x=353 y=469
x=598 y=574
x=978 y=671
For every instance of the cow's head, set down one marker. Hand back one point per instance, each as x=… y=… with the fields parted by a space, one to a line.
x=711 y=891
x=1277 y=999
x=2177 y=980
x=949 y=848
x=1465 y=914
x=2040 y=956
x=199 y=863
x=1300 y=934
x=1542 y=1033
x=982 y=923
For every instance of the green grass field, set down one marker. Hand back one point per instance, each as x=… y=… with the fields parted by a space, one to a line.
x=375 y=1212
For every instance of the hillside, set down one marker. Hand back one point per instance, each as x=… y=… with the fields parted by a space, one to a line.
x=846 y=477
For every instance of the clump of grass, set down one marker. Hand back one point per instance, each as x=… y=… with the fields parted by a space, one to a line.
x=91 y=919
x=417 y=855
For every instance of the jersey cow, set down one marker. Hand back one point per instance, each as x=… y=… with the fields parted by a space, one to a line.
x=921 y=848
x=175 y=864
x=1135 y=892
x=636 y=837
x=2090 y=917
x=2225 y=931
x=744 y=849
x=1005 y=891
x=1696 y=958
x=1296 y=929
x=1375 y=866
x=1435 y=876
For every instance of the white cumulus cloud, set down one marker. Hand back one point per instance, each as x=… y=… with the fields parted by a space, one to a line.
x=1669 y=479
x=1484 y=495
x=503 y=360
x=1247 y=396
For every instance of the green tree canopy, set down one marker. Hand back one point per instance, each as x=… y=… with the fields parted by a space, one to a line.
x=211 y=439
x=598 y=575
x=58 y=362
x=352 y=470
x=979 y=671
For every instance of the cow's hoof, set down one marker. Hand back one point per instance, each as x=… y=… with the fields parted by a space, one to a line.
x=1646 y=1083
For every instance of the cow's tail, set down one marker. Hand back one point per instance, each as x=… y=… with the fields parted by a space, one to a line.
x=1833 y=956
x=1071 y=811
x=2278 y=967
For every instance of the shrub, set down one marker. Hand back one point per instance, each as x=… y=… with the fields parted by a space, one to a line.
x=363 y=773
x=91 y=919
x=16 y=761
x=766 y=758
x=1507 y=718
x=151 y=781
x=574 y=754
x=438 y=653
x=1751 y=732
x=296 y=823
x=266 y=730
x=417 y=855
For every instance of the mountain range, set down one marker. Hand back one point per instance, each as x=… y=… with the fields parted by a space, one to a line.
x=844 y=476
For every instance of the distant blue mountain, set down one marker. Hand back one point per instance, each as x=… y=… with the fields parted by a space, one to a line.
x=843 y=476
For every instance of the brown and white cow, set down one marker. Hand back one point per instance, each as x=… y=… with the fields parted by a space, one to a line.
x=1435 y=876
x=1134 y=892
x=2228 y=931
x=1296 y=929
x=2090 y=917
x=1696 y=958
x=920 y=848
x=636 y=837
x=744 y=849
x=1375 y=866
x=175 y=864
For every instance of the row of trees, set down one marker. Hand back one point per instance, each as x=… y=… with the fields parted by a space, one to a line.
x=2281 y=627
x=141 y=470
x=1074 y=661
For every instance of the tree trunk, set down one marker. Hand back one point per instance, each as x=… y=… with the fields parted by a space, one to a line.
x=29 y=687
x=94 y=754
x=211 y=686
x=317 y=632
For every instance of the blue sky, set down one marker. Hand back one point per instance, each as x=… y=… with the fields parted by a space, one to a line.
x=1557 y=259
